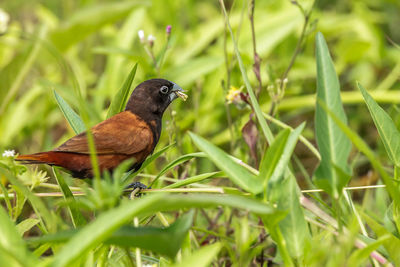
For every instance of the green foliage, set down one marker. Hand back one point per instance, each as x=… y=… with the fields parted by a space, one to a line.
x=333 y=144
x=70 y=115
x=384 y=124
x=242 y=204
x=237 y=173
x=121 y=98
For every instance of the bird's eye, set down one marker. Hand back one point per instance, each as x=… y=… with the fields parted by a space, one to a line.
x=164 y=89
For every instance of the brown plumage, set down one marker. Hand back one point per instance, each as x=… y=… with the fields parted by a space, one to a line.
x=133 y=133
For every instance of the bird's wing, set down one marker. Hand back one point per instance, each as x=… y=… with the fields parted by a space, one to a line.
x=124 y=133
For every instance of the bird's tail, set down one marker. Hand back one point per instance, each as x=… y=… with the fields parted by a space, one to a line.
x=37 y=158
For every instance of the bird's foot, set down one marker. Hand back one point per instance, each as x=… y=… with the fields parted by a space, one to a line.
x=135 y=189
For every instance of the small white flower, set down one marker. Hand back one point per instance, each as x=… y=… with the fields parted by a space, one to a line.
x=151 y=38
x=8 y=153
x=141 y=35
x=4 y=19
x=285 y=80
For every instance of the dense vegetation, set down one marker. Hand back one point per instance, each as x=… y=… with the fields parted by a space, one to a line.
x=286 y=152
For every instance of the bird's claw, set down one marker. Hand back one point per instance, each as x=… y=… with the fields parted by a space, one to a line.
x=136 y=186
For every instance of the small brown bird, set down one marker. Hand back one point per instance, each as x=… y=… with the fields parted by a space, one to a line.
x=133 y=133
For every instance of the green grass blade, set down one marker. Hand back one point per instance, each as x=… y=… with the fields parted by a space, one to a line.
x=391 y=245
x=119 y=101
x=155 y=155
x=72 y=117
x=26 y=225
x=386 y=128
x=392 y=189
x=132 y=173
x=333 y=144
x=237 y=173
x=201 y=257
x=272 y=155
x=76 y=216
x=361 y=256
x=176 y=162
x=277 y=236
x=194 y=179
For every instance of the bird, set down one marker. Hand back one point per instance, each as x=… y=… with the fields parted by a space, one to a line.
x=130 y=134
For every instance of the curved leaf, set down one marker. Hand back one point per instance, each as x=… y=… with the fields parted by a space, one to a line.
x=333 y=144
x=237 y=173
x=386 y=128
x=72 y=117
x=120 y=99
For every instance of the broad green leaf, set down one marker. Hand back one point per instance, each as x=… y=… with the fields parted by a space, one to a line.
x=201 y=257
x=26 y=225
x=391 y=244
x=392 y=189
x=272 y=155
x=119 y=101
x=237 y=173
x=293 y=227
x=281 y=166
x=89 y=20
x=72 y=117
x=166 y=241
x=333 y=144
x=76 y=216
x=387 y=129
x=107 y=223
x=285 y=195
x=12 y=246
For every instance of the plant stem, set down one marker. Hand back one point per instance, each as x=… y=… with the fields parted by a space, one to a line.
x=281 y=89
x=266 y=131
x=257 y=59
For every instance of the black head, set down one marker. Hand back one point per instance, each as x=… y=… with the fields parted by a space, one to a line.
x=153 y=96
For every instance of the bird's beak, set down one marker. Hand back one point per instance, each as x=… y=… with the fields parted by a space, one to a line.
x=176 y=92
